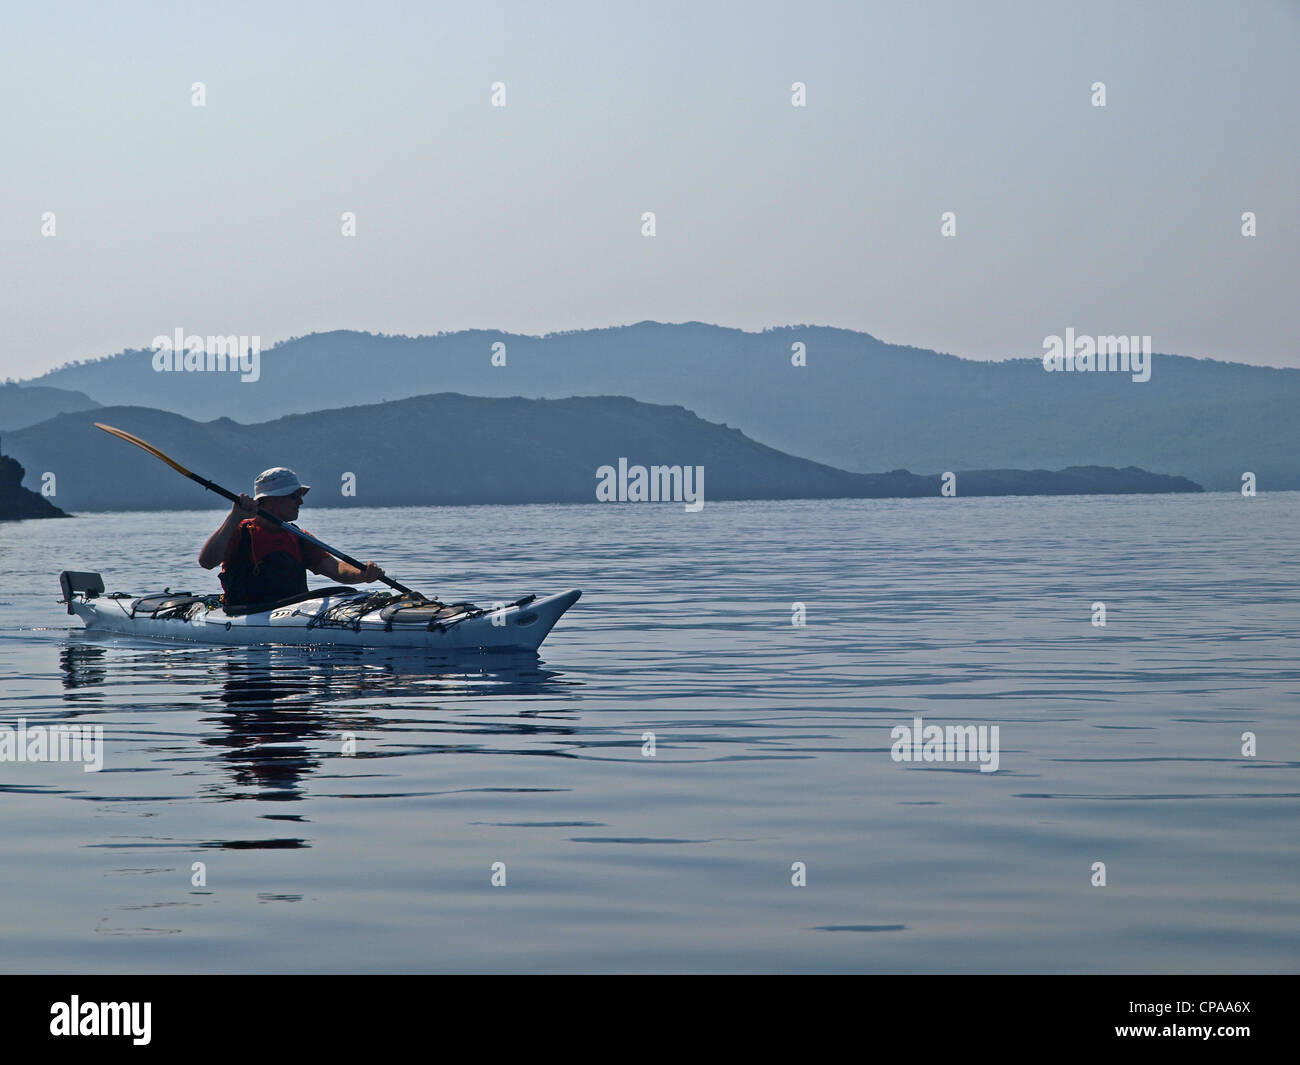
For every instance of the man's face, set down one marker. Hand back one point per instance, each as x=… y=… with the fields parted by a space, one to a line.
x=283 y=507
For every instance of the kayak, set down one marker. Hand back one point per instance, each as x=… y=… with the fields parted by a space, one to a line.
x=336 y=615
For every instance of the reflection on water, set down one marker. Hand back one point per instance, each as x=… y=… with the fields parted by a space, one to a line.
x=262 y=733
x=286 y=709
x=83 y=667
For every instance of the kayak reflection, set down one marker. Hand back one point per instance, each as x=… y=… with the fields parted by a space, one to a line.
x=264 y=734
x=273 y=716
x=83 y=666
x=287 y=710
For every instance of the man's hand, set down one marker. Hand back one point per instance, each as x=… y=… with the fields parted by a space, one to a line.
x=246 y=507
x=371 y=573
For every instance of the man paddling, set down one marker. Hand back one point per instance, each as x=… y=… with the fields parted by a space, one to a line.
x=264 y=563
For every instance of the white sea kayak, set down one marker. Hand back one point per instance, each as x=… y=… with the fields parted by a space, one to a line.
x=336 y=615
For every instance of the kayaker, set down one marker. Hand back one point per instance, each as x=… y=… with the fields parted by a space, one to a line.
x=263 y=563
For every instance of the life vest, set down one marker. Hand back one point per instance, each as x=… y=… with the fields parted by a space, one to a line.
x=267 y=566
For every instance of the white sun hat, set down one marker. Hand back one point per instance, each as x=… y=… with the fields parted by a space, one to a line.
x=278 y=481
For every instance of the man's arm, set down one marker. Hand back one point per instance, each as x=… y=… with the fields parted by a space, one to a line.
x=337 y=569
x=214 y=551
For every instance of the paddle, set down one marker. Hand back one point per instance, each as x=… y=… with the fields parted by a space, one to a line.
x=263 y=513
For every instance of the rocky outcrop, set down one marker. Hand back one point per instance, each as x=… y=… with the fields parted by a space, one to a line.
x=17 y=502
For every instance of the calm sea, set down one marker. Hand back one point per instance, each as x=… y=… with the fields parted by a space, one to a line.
x=1120 y=745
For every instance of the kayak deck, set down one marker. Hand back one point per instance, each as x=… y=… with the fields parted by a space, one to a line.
x=328 y=616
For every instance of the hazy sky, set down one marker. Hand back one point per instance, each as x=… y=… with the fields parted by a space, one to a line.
x=226 y=218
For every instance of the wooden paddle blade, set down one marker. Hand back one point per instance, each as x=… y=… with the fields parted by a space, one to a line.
x=130 y=439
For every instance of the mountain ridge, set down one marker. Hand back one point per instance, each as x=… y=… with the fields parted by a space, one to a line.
x=448 y=448
x=859 y=404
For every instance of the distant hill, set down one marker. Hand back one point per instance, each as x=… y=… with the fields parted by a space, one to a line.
x=22 y=405
x=859 y=404
x=17 y=502
x=454 y=449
